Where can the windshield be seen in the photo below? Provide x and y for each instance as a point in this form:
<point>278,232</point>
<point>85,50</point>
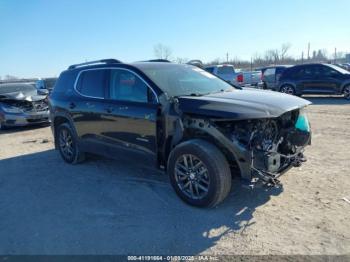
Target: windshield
<point>179,80</point>
<point>26,89</point>
<point>339,69</point>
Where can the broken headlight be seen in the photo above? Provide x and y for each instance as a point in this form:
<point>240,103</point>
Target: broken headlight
<point>11,109</point>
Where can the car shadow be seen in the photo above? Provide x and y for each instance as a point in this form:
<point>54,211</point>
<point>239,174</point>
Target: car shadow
<point>327,100</point>
<point>108,206</point>
<point>10,130</point>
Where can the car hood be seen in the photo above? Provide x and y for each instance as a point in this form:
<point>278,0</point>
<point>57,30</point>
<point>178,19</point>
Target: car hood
<point>247,103</point>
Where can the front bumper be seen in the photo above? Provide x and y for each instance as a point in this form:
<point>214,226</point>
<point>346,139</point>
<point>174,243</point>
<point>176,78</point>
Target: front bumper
<point>24,119</point>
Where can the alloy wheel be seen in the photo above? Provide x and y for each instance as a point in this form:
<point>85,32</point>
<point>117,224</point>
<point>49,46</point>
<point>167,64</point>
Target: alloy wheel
<point>66,143</point>
<point>192,176</point>
<point>288,90</point>
<point>347,92</point>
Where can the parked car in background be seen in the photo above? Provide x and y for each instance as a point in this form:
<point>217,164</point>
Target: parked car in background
<point>271,75</point>
<point>196,126</point>
<point>22,104</point>
<point>249,78</point>
<point>235,77</point>
<point>315,79</point>
<point>345,66</point>
<point>46,83</point>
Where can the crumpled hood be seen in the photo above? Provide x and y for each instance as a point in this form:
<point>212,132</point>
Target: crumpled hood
<point>20,96</point>
<point>247,103</point>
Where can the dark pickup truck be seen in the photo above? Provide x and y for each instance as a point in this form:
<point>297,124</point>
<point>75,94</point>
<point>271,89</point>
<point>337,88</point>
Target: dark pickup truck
<point>197,127</point>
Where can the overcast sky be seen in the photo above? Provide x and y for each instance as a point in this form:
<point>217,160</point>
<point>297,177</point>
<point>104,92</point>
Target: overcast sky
<point>40,38</point>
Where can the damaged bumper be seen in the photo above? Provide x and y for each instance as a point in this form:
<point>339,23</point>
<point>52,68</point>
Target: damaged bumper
<point>24,119</point>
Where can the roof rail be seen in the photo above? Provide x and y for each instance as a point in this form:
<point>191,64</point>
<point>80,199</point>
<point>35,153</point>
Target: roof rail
<point>102,61</point>
<point>158,60</point>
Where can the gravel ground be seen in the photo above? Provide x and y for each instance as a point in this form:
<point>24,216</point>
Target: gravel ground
<point>118,207</point>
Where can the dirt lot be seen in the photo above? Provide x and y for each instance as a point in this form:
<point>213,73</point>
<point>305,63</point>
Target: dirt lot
<point>118,207</point>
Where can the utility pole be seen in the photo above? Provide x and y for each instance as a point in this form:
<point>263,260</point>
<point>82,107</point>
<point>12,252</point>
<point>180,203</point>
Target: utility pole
<point>227,57</point>
<point>308,51</point>
<point>335,55</point>
<point>251,63</point>
<point>302,57</point>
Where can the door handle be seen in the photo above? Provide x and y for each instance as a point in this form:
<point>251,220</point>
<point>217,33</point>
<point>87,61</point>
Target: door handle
<point>72,105</point>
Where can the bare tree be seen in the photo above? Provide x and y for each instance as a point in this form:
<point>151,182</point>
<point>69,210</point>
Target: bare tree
<point>284,49</point>
<point>162,51</point>
<point>181,60</point>
<point>10,77</point>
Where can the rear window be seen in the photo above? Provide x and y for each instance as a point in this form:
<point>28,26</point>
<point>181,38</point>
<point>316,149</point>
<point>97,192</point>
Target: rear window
<point>269,72</point>
<point>92,82</point>
<point>225,70</point>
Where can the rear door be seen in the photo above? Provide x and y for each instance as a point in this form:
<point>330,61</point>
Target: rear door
<point>132,113</point>
<point>88,108</point>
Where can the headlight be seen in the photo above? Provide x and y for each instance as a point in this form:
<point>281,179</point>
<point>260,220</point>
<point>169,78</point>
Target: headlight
<point>11,109</point>
<point>302,121</point>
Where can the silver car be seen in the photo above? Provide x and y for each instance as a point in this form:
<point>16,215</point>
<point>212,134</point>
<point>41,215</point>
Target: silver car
<point>22,104</point>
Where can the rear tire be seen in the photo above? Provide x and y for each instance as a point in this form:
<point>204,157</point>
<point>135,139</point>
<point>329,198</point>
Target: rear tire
<point>346,92</point>
<point>68,146</point>
<point>204,178</point>
<point>288,89</point>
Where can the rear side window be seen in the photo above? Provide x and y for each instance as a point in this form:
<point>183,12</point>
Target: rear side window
<point>279,70</point>
<point>92,83</point>
<point>294,72</point>
<point>126,86</point>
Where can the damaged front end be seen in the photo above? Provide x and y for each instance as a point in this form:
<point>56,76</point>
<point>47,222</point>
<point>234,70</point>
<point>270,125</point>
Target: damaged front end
<point>270,146</point>
<point>23,112</point>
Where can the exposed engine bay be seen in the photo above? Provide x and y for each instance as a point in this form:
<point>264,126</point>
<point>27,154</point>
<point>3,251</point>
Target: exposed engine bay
<point>275,144</point>
<point>27,106</point>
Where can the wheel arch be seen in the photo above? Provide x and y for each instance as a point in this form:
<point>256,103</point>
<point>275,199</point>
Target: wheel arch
<point>59,119</point>
<point>199,131</point>
<point>287,84</point>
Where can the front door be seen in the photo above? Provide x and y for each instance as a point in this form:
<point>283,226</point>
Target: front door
<point>317,80</point>
<point>132,112</point>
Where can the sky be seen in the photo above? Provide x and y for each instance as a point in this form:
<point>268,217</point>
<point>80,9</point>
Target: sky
<point>40,38</point>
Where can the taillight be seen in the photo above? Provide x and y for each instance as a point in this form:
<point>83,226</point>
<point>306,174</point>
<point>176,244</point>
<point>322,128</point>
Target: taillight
<point>239,78</point>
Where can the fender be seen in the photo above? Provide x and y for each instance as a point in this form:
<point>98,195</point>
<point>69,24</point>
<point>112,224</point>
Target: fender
<point>68,118</point>
<point>241,155</point>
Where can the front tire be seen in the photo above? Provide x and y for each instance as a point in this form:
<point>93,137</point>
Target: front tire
<point>346,92</point>
<point>199,173</point>
<point>288,89</point>
<point>68,146</point>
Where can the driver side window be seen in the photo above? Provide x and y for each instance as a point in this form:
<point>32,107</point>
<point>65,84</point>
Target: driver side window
<point>126,86</point>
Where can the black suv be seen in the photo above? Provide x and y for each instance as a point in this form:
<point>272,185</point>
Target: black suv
<point>315,79</point>
<point>194,125</point>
